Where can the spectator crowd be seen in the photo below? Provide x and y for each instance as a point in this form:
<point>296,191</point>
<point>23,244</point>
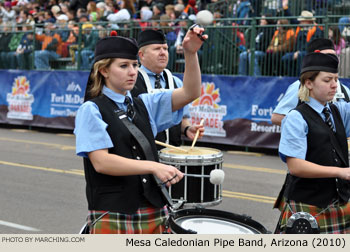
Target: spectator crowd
<point>69,29</point>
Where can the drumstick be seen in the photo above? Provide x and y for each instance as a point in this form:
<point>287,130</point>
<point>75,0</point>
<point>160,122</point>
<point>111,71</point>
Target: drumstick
<point>197,134</point>
<point>170,146</point>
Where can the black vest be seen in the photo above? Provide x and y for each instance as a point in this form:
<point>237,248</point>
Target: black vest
<point>122,193</point>
<point>324,148</point>
<point>175,131</point>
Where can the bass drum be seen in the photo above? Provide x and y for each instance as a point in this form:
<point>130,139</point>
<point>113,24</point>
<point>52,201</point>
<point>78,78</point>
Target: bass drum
<point>208,221</point>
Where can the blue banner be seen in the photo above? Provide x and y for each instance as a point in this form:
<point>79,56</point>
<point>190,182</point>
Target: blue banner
<point>236,109</point>
<point>41,98</point>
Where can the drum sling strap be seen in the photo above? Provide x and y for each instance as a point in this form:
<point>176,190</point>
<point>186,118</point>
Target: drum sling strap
<point>146,148</point>
<point>150,90</point>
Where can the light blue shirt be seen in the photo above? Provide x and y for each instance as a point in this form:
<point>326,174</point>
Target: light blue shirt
<point>290,98</point>
<point>294,131</point>
<point>177,80</point>
<point>91,131</point>
<point>152,78</point>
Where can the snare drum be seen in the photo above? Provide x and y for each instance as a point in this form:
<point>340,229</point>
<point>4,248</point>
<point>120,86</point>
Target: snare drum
<point>195,188</point>
<point>208,221</point>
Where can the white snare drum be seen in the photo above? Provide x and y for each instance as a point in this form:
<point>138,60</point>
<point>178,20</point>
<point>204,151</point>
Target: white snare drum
<point>195,188</point>
<point>207,221</point>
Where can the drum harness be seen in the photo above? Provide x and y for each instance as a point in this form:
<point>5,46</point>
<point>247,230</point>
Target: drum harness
<point>151,90</point>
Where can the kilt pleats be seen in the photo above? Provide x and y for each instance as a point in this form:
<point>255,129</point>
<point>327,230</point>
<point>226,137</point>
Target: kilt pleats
<point>146,220</point>
<point>335,219</point>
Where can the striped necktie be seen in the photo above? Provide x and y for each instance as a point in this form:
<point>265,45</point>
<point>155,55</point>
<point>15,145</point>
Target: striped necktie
<point>328,120</point>
<point>130,108</point>
<point>157,83</point>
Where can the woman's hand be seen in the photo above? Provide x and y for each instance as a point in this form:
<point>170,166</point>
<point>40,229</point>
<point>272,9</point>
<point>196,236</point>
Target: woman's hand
<point>169,175</point>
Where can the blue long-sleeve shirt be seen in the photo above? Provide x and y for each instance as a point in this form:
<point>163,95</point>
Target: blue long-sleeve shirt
<point>91,131</point>
<point>294,131</point>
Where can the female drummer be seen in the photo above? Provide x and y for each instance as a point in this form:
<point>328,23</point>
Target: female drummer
<point>314,146</point>
<point>122,194</point>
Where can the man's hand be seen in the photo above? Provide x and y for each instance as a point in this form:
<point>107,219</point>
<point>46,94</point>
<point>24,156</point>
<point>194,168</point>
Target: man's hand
<point>191,131</point>
<point>194,39</point>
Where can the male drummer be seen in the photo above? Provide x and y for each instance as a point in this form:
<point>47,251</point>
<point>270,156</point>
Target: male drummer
<point>154,77</point>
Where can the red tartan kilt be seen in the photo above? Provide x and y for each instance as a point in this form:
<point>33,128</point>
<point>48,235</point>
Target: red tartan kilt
<point>146,220</point>
<point>334,220</point>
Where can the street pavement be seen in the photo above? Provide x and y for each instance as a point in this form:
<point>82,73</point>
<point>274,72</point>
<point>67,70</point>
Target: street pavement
<point>43,187</point>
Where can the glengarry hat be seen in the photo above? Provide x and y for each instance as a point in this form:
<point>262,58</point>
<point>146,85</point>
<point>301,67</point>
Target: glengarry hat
<point>317,61</point>
<point>148,37</point>
<point>116,47</point>
<point>112,47</point>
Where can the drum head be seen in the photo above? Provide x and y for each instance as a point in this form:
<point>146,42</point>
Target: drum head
<point>210,225</point>
<point>205,221</point>
<point>196,156</point>
<point>196,151</point>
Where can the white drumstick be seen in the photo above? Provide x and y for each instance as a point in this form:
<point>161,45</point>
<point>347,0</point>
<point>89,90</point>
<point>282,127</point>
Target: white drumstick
<point>197,134</point>
<point>216,176</point>
<point>170,146</point>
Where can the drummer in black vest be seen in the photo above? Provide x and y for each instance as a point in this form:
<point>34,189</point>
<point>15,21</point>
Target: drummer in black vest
<point>290,98</point>
<point>314,146</point>
<point>120,169</point>
<point>154,77</point>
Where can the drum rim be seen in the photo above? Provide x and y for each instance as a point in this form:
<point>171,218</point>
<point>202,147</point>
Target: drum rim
<point>195,160</point>
<point>243,220</point>
<point>208,148</point>
<point>189,164</point>
<point>190,205</point>
<point>214,156</point>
